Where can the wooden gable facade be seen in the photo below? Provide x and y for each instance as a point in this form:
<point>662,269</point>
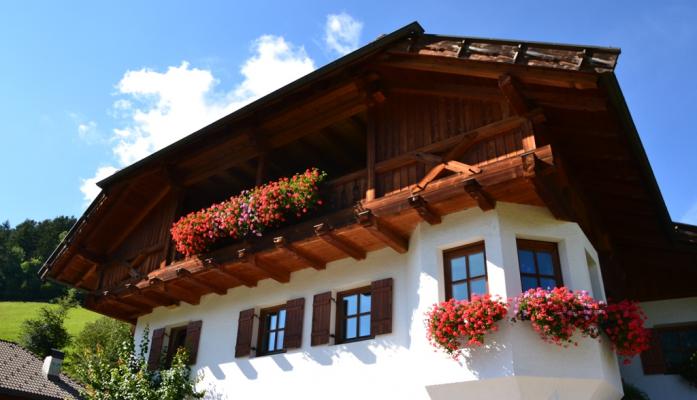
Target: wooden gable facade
<point>409,128</point>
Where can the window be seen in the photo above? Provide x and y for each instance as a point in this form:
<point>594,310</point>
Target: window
<point>539,264</point>
<point>465,272</point>
<point>677,344</point>
<point>272,330</point>
<point>353,315</point>
<point>177,339</point>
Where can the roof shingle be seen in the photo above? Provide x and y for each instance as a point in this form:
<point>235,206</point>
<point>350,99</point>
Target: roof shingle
<point>20,375</point>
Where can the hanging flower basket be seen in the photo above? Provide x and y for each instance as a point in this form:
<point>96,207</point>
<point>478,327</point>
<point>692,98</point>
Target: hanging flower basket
<point>250,213</point>
<point>557,314</point>
<point>455,324</point>
<point>623,323</point>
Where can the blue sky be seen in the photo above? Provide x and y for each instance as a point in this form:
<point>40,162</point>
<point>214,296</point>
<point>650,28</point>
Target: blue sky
<point>87,87</point>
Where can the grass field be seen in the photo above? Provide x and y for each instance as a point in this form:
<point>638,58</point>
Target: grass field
<point>13,313</point>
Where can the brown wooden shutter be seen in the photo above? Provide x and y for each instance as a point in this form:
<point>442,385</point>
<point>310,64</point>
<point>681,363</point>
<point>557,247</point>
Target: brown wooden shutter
<point>652,359</point>
<point>381,306</point>
<point>321,315</point>
<point>245,326</point>
<point>193,334</point>
<point>158,336</point>
<point>294,323</point>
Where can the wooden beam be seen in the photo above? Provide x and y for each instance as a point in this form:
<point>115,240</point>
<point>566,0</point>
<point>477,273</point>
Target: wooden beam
<point>474,189</point>
<point>425,211</point>
<point>252,260</point>
<point>137,219</point>
<point>493,129</point>
<point>86,277</point>
<point>90,256</point>
<point>133,294</point>
<point>324,232</point>
<point>217,268</point>
<point>491,70</point>
<point>370,156</point>
<point>174,292</point>
<point>511,91</point>
<point>128,309</point>
<point>542,175</point>
<point>454,166</point>
<point>199,282</point>
<point>143,254</point>
<point>132,301</point>
<point>295,252</point>
<point>383,231</point>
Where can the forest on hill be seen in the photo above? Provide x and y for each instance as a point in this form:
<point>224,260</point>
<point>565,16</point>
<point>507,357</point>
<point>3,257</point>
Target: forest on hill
<point>23,250</point>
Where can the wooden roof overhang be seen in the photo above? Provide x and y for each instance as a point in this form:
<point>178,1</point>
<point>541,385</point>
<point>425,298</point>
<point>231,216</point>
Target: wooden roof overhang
<point>585,163</point>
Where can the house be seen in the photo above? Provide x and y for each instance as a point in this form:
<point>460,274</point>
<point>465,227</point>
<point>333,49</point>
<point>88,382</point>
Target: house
<point>455,166</point>
<point>23,375</point>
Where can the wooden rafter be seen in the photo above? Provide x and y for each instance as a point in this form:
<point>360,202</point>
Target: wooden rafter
<point>425,211</point>
<point>200,283</point>
<point>172,291</point>
<point>143,307</point>
<point>454,166</point>
<point>244,256</point>
<point>383,231</point>
<point>293,251</point>
<point>509,87</point>
<point>87,276</point>
<point>483,199</point>
<point>234,276</point>
<point>542,175</point>
<point>133,294</point>
<point>324,232</point>
<point>126,308</point>
<point>137,219</point>
<point>447,65</point>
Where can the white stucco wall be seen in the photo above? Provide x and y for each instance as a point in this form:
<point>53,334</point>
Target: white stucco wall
<point>663,387</point>
<point>516,364</point>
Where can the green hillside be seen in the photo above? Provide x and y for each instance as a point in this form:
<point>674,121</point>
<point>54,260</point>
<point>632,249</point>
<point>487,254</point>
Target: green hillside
<point>13,313</point>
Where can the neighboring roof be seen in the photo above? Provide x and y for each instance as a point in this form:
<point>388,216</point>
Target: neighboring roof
<point>20,375</point>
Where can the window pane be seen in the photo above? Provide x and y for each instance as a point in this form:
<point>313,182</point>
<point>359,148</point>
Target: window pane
<point>365,303</point>
<point>350,304</point>
<point>364,326</point>
<point>476,264</point>
<point>527,261</point>
<point>548,283</point>
<point>279,340</point>
<point>272,341</point>
<point>544,263</point>
<point>689,340</point>
<point>281,319</point>
<point>460,291</point>
<point>272,321</point>
<point>458,268</point>
<point>478,286</point>
<point>351,328</point>
<point>529,282</point>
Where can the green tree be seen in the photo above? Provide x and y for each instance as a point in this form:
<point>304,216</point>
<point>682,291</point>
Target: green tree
<point>47,331</point>
<point>101,338</point>
<point>130,379</point>
<point>23,249</point>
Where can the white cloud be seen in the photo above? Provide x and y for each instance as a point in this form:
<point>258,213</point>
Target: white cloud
<point>690,216</point>
<point>89,187</point>
<point>87,130</point>
<point>342,33</point>
<point>159,108</point>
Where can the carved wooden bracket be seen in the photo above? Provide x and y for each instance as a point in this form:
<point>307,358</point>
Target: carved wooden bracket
<point>426,212</point>
<point>382,231</point>
<point>324,232</point>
